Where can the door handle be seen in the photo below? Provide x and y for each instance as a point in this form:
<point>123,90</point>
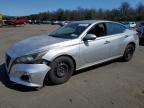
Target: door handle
<point>126,36</point>
<point>107,42</point>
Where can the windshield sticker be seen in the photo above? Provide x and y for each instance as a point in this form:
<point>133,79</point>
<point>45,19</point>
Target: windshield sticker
<point>85,25</point>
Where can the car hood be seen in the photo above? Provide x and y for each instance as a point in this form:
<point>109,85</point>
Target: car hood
<point>35,44</point>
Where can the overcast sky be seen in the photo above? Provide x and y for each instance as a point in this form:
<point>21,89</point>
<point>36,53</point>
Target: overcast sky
<point>27,7</point>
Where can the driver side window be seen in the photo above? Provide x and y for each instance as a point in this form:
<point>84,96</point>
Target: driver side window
<point>98,30</point>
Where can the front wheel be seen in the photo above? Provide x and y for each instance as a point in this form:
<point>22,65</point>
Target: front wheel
<point>128,54</point>
<point>62,69</point>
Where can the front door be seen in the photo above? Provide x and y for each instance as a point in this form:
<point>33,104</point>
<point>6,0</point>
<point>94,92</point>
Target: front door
<point>92,51</point>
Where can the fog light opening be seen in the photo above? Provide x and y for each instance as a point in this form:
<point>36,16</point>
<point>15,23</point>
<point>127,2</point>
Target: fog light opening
<point>25,78</point>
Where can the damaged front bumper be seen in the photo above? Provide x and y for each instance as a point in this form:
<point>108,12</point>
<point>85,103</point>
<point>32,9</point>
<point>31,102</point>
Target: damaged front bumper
<point>32,75</point>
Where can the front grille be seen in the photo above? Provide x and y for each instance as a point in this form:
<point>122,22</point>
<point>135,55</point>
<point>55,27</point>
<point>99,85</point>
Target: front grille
<point>8,59</point>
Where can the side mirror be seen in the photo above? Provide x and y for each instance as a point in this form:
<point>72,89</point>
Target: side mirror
<point>89,37</point>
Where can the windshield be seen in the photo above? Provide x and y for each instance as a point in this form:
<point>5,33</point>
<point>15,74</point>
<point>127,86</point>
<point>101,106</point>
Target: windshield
<point>70,31</point>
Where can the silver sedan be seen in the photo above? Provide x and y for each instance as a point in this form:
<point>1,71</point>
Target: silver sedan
<point>80,44</point>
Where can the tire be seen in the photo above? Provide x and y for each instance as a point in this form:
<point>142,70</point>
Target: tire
<point>128,54</point>
<point>61,71</point>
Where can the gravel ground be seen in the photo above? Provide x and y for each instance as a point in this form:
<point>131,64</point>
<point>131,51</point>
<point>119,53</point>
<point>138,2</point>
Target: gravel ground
<point>113,84</point>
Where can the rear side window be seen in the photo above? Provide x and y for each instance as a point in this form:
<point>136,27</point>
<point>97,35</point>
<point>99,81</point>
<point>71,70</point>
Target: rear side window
<point>114,28</point>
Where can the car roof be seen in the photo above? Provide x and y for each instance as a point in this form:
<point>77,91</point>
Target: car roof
<point>91,21</point>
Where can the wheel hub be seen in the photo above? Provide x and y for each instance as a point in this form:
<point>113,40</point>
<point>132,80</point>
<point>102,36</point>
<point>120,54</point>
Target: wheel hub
<point>62,69</point>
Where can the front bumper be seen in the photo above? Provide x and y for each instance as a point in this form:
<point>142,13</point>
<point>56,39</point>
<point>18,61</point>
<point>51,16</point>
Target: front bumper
<point>28,74</point>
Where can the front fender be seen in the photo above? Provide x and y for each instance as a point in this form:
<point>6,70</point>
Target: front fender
<point>72,51</point>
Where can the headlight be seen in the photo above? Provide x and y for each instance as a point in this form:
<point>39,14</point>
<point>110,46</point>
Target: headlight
<point>32,59</point>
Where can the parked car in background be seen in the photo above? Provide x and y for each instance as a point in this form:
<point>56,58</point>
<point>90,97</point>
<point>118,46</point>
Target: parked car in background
<point>129,25</point>
<point>35,22</point>
<point>140,30</point>
<point>55,22</point>
<point>80,44</point>
<point>132,24</point>
<point>46,22</point>
<point>17,21</point>
<point>31,22</point>
<point>63,23</point>
<point>38,21</point>
<point>140,24</point>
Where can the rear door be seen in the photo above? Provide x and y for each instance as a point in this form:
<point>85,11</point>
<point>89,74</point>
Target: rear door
<point>116,34</point>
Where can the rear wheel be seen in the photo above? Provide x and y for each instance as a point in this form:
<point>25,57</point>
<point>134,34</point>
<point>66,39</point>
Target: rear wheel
<point>128,54</point>
<point>62,69</point>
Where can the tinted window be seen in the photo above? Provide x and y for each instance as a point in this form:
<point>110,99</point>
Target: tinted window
<point>98,30</point>
<point>114,28</point>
